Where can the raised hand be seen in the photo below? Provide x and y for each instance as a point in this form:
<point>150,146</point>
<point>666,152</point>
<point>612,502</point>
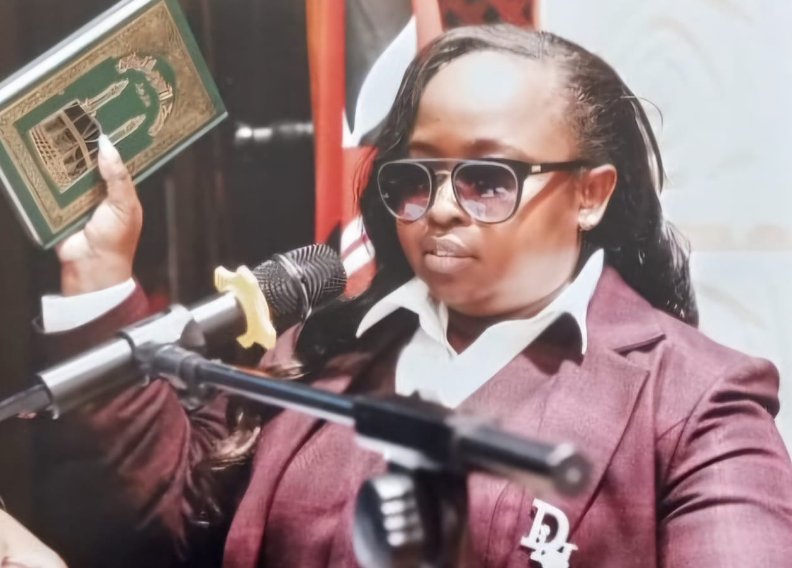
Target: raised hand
<point>101,254</point>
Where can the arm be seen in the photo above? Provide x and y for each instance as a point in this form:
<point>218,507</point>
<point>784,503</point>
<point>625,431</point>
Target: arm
<point>726,498</point>
<point>118,472</point>
<point>117,478</point>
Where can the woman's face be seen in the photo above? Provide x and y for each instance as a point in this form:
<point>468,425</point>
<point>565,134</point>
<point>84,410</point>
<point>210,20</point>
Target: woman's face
<point>492,105</point>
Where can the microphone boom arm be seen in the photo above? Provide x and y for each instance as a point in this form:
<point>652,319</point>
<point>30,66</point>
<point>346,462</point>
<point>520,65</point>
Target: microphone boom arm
<point>408,431</point>
<point>82,378</point>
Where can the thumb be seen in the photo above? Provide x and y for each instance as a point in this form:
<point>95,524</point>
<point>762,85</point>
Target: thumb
<point>121,193</point>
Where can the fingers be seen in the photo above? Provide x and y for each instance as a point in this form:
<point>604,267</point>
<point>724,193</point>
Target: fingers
<point>121,193</point>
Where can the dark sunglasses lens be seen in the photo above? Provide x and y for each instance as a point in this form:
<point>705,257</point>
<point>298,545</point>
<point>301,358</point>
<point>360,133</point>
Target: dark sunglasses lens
<point>488,192</point>
<point>405,189</point>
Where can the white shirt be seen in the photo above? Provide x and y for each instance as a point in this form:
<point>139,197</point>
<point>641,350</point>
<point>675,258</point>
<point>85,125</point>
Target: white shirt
<point>429,365</point>
<point>59,313</point>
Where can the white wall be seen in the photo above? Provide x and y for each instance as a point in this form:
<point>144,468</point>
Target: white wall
<point>721,73</point>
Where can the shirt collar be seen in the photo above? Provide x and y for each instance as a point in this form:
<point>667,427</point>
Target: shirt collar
<point>433,316</point>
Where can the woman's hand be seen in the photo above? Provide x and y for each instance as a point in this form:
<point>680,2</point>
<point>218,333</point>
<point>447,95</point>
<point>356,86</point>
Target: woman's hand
<point>20,549</point>
<point>101,254</point>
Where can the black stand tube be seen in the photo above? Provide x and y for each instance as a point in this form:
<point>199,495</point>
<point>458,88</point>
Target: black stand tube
<point>410,431</point>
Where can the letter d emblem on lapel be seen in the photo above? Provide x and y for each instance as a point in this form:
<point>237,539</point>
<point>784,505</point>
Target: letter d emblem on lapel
<point>555,552</point>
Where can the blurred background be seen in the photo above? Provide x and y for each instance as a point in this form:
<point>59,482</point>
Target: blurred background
<point>715,76</point>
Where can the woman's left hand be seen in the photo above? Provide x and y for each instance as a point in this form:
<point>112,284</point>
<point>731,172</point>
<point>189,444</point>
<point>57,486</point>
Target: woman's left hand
<point>20,549</point>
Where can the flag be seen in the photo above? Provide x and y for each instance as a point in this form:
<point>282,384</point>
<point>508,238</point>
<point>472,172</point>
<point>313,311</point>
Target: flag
<point>455,13</point>
<point>358,52</point>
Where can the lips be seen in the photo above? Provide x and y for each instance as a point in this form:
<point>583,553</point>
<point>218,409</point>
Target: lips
<point>446,255</point>
<point>446,246</point>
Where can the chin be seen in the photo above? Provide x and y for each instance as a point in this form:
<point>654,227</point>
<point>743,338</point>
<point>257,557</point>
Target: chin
<point>450,290</point>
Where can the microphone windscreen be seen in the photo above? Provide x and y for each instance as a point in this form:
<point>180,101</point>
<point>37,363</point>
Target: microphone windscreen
<point>299,282</point>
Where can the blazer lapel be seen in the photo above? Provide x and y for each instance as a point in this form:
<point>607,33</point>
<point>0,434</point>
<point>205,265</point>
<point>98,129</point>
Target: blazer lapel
<point>587,403</point>
<point>585,400</point>
<point>592,405</point>
<point>591,409</point>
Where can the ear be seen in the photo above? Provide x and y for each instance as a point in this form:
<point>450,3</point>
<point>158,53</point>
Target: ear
<point>596,187</point>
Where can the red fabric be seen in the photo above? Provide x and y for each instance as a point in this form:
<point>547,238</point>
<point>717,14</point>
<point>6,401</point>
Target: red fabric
<point>326,24</point>
<point>339,169</point>
<point>457,13</point>
<point>357,167</point>
<point>688,468</point>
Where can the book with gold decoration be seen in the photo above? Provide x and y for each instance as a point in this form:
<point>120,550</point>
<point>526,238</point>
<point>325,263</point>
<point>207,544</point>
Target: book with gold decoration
<point>135,74</point>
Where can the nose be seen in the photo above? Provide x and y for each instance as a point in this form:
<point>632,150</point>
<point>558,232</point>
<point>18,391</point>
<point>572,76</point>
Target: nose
<point>446,210</point>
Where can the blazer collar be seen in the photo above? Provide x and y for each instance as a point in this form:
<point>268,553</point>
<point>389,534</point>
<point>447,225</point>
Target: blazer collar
<point>619,318</point>
<point>414,296</point>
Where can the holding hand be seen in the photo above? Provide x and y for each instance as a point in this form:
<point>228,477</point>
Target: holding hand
<point>20,549</point>
<point>101,254</point>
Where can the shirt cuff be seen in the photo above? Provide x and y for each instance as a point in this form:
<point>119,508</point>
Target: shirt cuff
<point>59,313</point>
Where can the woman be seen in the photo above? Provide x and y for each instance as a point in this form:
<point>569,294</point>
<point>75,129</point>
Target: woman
<point>513,205</point>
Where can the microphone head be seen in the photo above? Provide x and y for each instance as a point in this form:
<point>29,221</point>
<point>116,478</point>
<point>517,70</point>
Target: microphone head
<point>300,281</point>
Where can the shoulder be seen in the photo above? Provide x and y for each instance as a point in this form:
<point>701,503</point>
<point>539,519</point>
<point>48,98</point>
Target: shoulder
<point>691,371</point>
<point>686,368</point>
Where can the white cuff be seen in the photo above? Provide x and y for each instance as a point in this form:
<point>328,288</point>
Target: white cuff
<point>59,313</point>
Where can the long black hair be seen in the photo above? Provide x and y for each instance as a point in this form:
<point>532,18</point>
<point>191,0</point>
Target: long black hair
<point>610,127</point>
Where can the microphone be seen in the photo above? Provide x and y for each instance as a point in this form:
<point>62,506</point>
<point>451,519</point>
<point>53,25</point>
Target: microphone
<point>253,306</point>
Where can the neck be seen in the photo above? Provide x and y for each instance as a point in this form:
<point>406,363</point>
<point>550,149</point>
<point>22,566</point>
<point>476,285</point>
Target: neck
<point>464,329</point>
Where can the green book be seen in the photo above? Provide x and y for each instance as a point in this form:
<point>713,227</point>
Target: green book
<point>135,74</point>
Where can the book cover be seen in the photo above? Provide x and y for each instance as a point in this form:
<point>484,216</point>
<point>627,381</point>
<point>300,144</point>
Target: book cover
<point>135,74</point>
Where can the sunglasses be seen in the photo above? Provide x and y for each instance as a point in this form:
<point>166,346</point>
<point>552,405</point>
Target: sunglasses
<point>489,189</point>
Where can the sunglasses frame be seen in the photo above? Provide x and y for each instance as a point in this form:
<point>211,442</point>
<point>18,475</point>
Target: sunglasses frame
<point>519,169</point>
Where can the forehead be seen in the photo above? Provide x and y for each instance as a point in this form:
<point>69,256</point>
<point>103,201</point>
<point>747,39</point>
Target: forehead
<point>496,97</point>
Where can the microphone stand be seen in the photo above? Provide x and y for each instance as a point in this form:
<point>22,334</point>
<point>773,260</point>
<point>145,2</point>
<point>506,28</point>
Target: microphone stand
<point>415,514</point>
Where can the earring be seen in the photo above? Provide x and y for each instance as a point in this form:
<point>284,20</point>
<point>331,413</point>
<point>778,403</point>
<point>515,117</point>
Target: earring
<point>587,224</point>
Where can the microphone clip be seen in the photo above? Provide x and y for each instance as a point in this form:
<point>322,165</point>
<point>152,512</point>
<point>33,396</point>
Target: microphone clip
<point>79,380</point>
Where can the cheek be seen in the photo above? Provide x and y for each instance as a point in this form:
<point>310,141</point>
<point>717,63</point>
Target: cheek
<point>549,219</point>
<point>541,239</point>
<point>410,235</point>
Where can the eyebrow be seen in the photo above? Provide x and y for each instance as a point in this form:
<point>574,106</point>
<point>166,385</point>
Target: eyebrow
<point>481,147</point>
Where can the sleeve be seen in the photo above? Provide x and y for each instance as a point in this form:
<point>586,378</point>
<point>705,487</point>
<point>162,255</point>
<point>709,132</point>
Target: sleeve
<point>116,478</point>
<point>60,313</point>
<point>726,497</point>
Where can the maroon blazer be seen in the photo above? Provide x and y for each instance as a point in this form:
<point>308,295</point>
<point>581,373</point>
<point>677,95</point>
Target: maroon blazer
<point>688,468</point>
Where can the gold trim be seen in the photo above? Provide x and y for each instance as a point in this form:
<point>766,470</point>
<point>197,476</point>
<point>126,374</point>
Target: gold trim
<point>155,31</point>
<point>164,90</point>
